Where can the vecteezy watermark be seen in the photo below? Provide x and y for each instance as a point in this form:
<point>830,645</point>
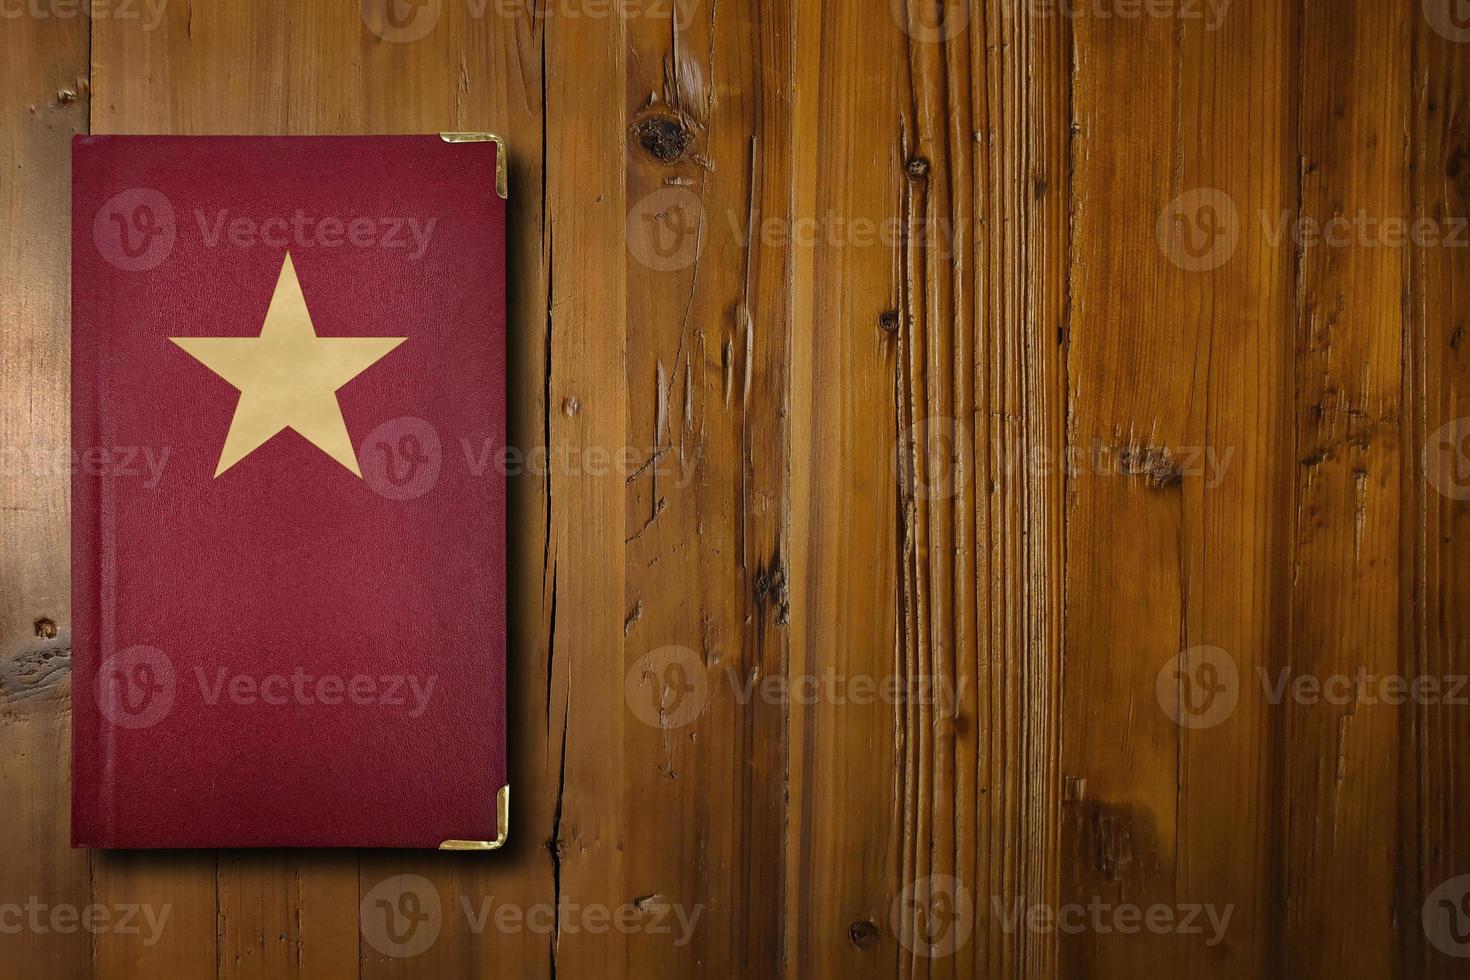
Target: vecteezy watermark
<point>665,229</point>
<point>401,21</point>
<point>1363,686</point>
<point>835,230</point>
<point>931,21</point>
<point>651,916</point>
<point>1200,230</point>
<point>680,13</point>
<point>1450,19</point>
<point>122,919</point>
<point>669,688</point>
<point>135,687</point>
<point>1363,230</point>
<point>934,916</point>
<point>142,463</point>
<point>1446,917</point>
<point>935,459</point>
<point>1209,13</point>
<point>1104,918</point>
<point>937,21</point>
<point>411,692</point>
<point>404,21</point>
<point>138,687</point>
<point>300,230</point>
<point>403,916</point>
<point>148,12</point>
<point>401,458</point>
<point>405,458</point>
<point>1447,459</point>
<point>135,229</point>
<point>1201,687</point>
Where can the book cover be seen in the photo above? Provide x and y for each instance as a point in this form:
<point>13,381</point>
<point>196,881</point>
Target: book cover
<point>288,508</point>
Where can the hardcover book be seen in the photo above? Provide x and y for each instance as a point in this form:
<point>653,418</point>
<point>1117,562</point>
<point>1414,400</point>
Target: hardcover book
<point>288,521</point>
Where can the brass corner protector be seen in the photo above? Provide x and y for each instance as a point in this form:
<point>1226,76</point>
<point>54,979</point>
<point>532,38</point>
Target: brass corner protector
<point>502,828</point>
<point>502,175</point>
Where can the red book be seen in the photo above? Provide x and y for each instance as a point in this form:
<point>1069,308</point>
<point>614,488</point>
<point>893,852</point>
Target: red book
<point>288,507</point>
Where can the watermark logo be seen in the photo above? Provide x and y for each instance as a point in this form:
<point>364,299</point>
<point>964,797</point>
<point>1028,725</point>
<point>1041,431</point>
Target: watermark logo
<point>401,458</point>
<point>1364,687</point>
<point>934,916</point>
<point>409,692</point>
<point>1199,230</point>
<point>1446,917</point>
<point>1199,687</point>
<point>931,21</point>
<point>144,464</point>
<point>665,229</point>
<point>1447,459</point>
<point>135,230</point>
<point>1104,918</point>
<point>401,916</point>
<point>934,460</point>
<point>135,688</point>
<point>651,915</point>
<point>404,458</point>
<point>126,919</point>
<point>931,458</point>
<point>1450,19</point>
<point>401,21</point>
<point>150,12</point>
<point>1209,12</point>
<point>301,230</point>
<point>679,12</point>
<point>667,688</point>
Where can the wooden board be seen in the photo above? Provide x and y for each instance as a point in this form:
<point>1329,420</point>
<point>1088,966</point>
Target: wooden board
<point>986,437</point>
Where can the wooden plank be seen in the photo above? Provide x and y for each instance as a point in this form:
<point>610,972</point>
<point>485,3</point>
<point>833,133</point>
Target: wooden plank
<point>1436,538</point>
<point>1179,380</point>
<point>708,272</point>
<point>586,547</point>
<point>1340,819</point>
<point>273,914</point>
<point>174,890</point>
<point>846,760</point>
<point>961,320</point>
<point>1015,407</point>
<point>43,68</point>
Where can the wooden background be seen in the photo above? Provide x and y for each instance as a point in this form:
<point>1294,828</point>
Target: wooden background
<point>1027,304</point>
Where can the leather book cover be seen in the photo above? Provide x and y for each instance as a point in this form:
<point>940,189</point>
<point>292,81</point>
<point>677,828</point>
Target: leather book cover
<point>288,497</point>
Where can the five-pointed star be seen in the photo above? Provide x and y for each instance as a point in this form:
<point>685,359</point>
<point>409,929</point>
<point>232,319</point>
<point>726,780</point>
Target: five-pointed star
<point>288,376</point>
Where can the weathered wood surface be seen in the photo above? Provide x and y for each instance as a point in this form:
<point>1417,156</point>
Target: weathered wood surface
<point>1007,417</point>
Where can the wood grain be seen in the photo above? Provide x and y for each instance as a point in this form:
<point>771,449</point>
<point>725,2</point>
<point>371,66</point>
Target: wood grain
<point>1434,585</point>
<point>708,125</point>
<point>846,783</point>
<point>1179,355</point>
<point>43,80</point>
<point>962,352</point>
